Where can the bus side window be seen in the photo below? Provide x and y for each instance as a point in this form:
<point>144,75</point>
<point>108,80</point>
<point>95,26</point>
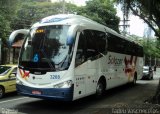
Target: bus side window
<point>96,44</point>
<point>91,51</point>
<point>102,42</point>
<point>111,43</point>
<point>81,49</point>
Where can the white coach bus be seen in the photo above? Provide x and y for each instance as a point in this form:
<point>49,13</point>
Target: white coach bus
<point>67,57</point>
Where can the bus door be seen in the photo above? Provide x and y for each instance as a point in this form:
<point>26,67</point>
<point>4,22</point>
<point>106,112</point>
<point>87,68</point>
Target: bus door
<point>96,49</point>
<point>85,67</point>
<point>80,68</point>
<point>91,76</point>
<point>85,78</point>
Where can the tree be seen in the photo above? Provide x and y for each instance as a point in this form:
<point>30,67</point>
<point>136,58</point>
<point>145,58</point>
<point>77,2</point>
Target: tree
<point>150,48</point>
<point>7,11</point>
<point>32,11</point>
<point>148,10</point>
<point>102,11</point>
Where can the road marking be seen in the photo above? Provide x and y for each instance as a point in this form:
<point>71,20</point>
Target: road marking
<point>13,100</point>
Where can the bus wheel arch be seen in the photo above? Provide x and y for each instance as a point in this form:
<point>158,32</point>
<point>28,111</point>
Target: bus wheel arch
<point>101,86</point>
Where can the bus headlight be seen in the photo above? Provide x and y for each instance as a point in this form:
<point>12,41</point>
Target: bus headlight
<point>66,84</point>
<point>19,82</point>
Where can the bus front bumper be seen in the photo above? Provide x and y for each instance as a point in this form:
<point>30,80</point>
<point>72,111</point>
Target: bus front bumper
<point>61,94</point>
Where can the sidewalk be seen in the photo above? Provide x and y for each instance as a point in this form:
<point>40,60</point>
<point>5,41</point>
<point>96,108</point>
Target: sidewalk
<point>156,75</point>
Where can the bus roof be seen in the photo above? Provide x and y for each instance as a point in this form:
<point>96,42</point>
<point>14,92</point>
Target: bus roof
<point>71,19</point>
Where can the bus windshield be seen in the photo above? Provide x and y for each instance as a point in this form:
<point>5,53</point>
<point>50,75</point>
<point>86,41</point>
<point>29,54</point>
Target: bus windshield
<point>46,48</point>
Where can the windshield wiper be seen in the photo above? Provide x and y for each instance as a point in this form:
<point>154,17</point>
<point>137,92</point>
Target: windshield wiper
<point>48,61</point>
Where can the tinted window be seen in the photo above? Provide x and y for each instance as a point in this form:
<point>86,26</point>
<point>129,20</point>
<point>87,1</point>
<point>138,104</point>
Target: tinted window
<point>119,45</point>
<point>4,70</point>
<point>81,50</point>
<point>92,44</point>
<point>96,43</point>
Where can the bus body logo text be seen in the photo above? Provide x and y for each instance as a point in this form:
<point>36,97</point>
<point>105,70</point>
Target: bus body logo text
<point>114,60</point>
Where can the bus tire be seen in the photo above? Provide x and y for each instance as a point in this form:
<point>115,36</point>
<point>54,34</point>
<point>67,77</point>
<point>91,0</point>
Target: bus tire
<point>100,89</point>
<point>134,80</point>
<point>1,91</point>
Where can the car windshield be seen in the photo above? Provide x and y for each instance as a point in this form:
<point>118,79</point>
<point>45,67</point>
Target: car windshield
<point>4,70</point>
<point>46,48</point>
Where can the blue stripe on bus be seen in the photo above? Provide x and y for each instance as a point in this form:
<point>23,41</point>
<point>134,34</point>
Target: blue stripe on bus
<point>61,94</point>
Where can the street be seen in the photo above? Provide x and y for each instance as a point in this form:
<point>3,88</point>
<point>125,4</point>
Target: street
<point>124,95</point>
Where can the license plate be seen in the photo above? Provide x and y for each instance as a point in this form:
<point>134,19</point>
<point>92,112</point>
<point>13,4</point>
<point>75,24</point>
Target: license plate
<point>36,92</point>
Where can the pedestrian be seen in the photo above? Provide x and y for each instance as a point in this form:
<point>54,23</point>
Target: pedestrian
<point>155,69</point>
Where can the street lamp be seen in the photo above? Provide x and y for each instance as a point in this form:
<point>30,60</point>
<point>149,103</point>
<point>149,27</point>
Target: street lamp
<point>0,51</point>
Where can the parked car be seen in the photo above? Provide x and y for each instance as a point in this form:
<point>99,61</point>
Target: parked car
<point>147,72</point>
<point>7,79</point>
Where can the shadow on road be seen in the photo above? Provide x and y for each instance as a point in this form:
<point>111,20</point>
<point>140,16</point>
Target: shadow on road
<point>10,95</point>
<point>49,106</point>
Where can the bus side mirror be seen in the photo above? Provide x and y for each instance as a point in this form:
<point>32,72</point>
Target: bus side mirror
<point>15,33</point>
<point>69,40</point>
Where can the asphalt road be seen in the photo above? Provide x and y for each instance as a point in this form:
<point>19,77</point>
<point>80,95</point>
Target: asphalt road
<point>124,95</point>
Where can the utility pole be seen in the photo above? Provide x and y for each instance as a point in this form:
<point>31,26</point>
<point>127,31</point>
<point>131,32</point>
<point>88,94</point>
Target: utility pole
<point>148,34</point>
<point>125,20</point>
<point>0,51</point>
<point>64,7</point>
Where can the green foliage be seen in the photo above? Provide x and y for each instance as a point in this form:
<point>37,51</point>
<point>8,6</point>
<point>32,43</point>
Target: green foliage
<point>148,10</point>
<point>150,45</point>
<point>150,48</point>
<point>31,12</point>
<point>7,11</point>
<point>102,11</point>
